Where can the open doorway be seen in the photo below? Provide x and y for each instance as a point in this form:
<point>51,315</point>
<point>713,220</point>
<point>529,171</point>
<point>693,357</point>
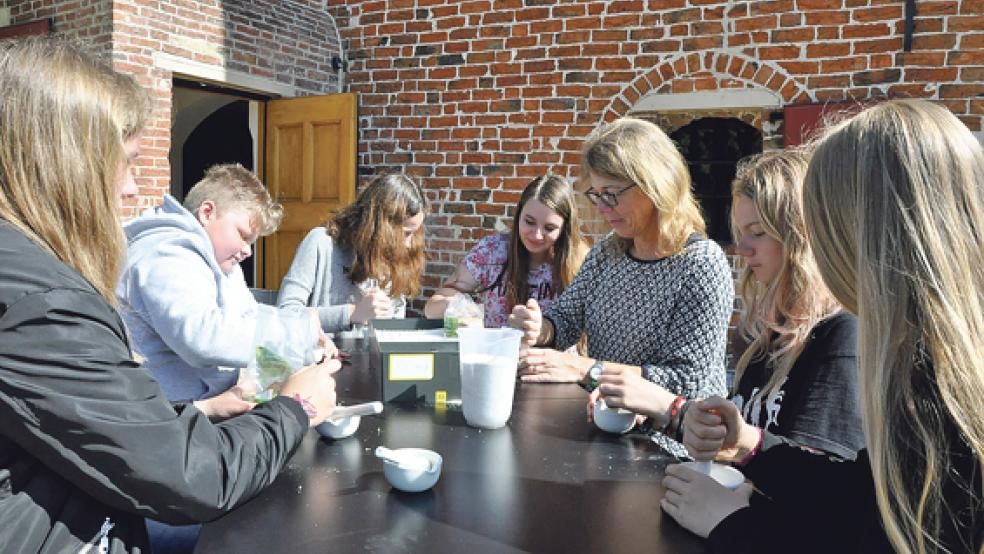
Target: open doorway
<point>212,125</point>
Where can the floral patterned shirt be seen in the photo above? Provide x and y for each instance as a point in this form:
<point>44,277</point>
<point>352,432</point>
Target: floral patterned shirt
<point>486,262</point>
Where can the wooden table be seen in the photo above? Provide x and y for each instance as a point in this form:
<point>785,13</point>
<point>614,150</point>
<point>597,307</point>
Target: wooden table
<point>547,482</point>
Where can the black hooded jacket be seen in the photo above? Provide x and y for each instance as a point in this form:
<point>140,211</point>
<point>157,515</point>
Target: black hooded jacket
<point>89,445</point>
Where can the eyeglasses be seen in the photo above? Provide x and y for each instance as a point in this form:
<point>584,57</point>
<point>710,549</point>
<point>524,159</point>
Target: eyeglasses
<point>609,199</point>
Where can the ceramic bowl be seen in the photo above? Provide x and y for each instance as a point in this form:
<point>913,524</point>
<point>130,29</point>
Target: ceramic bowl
<point>613,420</point>
<point>413,480</point>
<point>727,476</point>
<point>338,428</point>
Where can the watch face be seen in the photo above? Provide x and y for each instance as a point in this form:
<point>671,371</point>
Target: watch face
<point>595,371</point>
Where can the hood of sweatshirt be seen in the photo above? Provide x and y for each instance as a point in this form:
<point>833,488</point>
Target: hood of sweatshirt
<point>168,223</point>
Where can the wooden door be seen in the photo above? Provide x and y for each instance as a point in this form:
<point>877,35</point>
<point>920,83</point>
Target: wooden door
<point>309,165</point>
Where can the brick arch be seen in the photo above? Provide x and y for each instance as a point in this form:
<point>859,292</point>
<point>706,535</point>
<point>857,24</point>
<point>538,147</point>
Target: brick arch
<point>707,71</point>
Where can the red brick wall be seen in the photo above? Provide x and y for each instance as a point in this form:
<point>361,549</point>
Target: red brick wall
<point>478,96</point>
<point>87,20</point>
<point>287,41</point>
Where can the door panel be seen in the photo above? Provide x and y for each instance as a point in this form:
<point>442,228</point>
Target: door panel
<point>310,167</point>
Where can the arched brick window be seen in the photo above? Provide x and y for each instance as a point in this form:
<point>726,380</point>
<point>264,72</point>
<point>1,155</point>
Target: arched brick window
<point>712,147</point>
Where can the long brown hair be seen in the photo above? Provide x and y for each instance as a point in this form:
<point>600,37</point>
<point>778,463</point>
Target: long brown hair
<point>64,116</point>
<point>894,204</point>
<point>557,195</point>
<point>778,316</point>
<point>639,152</point>
<point>372,229</point>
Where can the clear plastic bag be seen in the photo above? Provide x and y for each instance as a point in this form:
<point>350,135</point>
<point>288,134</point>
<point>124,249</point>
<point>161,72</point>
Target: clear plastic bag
<point>286,340</point>
<point>462,311</point>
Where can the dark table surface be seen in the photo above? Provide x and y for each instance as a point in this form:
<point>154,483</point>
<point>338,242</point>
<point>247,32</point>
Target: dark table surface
<point>547,482</point>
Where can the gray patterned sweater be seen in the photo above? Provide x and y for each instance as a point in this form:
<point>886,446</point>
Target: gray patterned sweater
<point>669,316</point>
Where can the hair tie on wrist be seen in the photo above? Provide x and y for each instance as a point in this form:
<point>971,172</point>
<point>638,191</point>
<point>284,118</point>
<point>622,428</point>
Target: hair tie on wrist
<point>751,454</point>
<point>308,407</point>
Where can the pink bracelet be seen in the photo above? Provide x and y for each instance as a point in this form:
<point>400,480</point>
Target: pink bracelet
<point>308,407</point>
<point>751,454</point>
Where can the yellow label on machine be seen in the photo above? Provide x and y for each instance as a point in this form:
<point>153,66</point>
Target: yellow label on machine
<point>411,367</point>
<point>441,397</point>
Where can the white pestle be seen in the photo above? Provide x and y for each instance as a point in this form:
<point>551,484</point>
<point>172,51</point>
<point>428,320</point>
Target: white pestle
<point>405,460</point>
<point>369,408</point>
<point>703,467</point>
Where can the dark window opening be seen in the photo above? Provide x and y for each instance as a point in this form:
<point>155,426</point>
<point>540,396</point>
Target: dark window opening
<point>712,147</point>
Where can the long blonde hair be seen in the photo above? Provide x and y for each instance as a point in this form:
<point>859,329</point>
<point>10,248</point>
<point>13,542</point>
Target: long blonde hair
<point>372,229</point>
<point>778,316</point>
<point>637,151</point>
<point>894,203</point>
<point>64,116</point>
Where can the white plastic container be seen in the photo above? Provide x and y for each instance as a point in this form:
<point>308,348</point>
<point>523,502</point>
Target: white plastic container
<point>488,361</point>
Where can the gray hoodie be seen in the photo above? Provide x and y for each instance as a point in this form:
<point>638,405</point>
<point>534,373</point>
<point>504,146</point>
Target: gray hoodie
<point>192,324</point>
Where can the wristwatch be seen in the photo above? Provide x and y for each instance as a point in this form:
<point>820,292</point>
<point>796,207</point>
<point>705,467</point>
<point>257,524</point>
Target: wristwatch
<point>590,380</point>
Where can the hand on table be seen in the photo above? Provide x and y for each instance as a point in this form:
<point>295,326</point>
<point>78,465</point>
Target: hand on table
<point>375,304</point>
<point>713,429</point>
<point>527,318</point>
<point>223,406</point>
<point>546,365</point>
<point>698,502</point>
<point>315,386</point>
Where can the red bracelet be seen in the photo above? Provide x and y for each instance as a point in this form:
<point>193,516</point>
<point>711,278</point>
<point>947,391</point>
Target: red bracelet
<point>308,407</point>
<point>758,445</point>
<point>674,411</point>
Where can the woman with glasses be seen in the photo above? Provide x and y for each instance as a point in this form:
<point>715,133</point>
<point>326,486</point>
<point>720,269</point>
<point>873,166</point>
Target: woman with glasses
<point>537,259</point>
<point>654,296</point>
<point>372,250</point>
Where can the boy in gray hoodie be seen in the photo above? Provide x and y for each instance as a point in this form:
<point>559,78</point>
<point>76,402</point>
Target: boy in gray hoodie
<point>182,294</point>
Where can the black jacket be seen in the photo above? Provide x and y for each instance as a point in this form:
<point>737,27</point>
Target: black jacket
<point>87,439</point>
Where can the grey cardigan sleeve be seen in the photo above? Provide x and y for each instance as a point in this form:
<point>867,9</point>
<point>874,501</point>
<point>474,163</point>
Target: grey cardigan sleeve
<point>317,269</point>
<point>568,311</point>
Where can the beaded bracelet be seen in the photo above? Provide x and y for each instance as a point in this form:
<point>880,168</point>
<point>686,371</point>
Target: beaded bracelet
<point>674,411</point>
<point>308,407</point>
<point>751,454</point>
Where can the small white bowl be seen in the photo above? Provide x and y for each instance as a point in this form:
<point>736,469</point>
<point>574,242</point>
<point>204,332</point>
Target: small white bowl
<point>338,428</point>
<point>726,475</point>
<point>613,420</point>
<point>413,480</point>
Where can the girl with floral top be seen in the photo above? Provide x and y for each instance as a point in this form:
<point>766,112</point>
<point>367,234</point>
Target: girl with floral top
<point>537,259</point>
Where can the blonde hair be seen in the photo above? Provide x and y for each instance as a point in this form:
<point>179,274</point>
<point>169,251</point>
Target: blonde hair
<point>233,187</point>
<point>64,116</point>
<point>372,230</point>
<point>639,152</point>
<point>895,207</point>
<point>778,316</point>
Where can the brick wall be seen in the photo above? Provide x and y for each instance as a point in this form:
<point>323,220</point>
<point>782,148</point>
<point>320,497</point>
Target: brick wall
<point>88,20</point>
<point>478,96</point>
<point>290,42</point>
